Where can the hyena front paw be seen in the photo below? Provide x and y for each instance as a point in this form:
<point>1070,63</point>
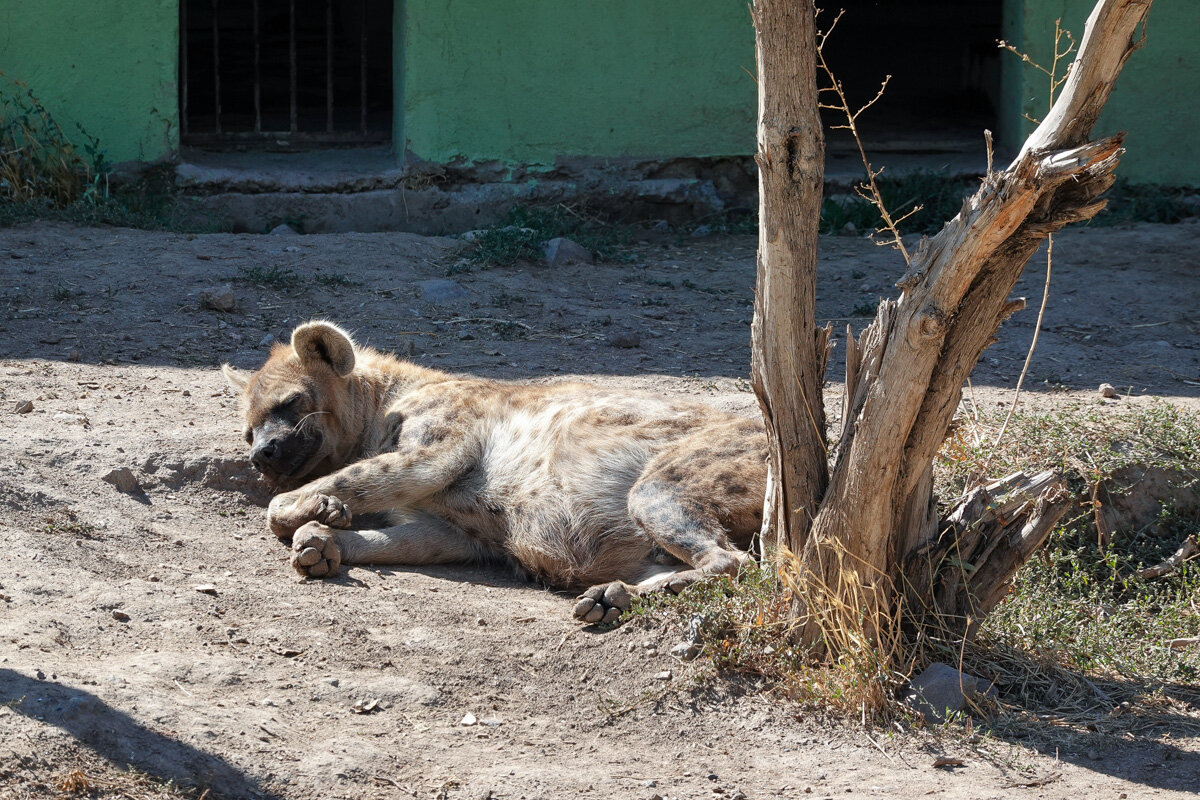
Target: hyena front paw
<point>315,551</point>
<point>603,603</point>
<point>287,513</point>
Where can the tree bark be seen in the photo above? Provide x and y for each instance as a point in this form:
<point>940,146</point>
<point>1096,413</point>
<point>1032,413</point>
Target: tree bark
<point>857,532</point>
<point>789,351</point>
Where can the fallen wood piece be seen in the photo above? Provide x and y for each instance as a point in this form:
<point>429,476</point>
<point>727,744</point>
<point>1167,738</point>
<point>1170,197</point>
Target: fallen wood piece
<point>1181,644</point>
<point>1189,548</point>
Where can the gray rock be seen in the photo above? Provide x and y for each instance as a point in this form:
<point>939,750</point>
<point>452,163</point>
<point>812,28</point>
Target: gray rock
<point>219,298</point>
<point>266,341</point>
<point>441,291</point>
<point>23,406</point>
<point>124,479</point>
<point>941,690</point>
<point>562,251</point>
<point>1108,390</point>
<point>701,231</point>
<point>283,230</point>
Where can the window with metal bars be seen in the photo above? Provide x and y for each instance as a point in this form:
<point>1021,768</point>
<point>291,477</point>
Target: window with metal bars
<point>285,73</point>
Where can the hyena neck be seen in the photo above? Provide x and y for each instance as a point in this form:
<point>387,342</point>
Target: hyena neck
<point>377,382</point>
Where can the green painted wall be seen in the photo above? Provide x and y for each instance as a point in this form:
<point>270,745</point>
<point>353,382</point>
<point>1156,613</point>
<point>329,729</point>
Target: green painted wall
<point>109,66</point>
<point>529,80</point>
<point>1156,97</point>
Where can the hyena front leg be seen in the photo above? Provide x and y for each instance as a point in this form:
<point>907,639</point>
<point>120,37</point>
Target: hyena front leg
<point>390,481</point>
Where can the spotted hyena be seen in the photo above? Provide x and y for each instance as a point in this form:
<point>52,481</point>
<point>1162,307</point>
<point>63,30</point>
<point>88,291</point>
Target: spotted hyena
<point>385,462</point>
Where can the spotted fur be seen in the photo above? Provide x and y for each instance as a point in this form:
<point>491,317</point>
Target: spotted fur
<point>578,486</point>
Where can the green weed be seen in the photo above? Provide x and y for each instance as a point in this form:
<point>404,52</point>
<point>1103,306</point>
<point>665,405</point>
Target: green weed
<point>272,277</point>
<point>524,231</point>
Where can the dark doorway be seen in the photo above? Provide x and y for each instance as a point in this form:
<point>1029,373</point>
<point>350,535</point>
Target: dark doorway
<point>285,73</point>
<point>945,68</point>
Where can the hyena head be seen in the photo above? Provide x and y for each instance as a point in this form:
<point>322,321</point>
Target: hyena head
<point>292,405</point>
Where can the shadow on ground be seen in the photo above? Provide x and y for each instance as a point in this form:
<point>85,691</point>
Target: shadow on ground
<point>121,739</point>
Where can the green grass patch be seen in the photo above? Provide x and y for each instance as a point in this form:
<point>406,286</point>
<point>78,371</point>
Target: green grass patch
<point>522,233</point>
<point>1081,630</point>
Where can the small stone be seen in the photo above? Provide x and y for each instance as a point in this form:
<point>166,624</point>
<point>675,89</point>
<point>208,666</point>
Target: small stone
<point>480,621</point>
<point>206,588</point>
<point>283,230</point>
<point>941,690</point>
<point>468,720</point>
<point>685,651</point>
<point>849,229</point>
<point>119,615</point>
<point>665,675</point>
<point>218,298</point>
<point>331,681</point>
<point>661,225</point>
<point>24,406</point>
<point>624,341</point>
<point>1108,390</point>
<point>701,231</point>
<point>441,291</point>
<point>74,356</point>
<point>124,479</point>
<point>561,251</point>
<point>266,341</point>
<point>366,706</point>
<point>650,784</point>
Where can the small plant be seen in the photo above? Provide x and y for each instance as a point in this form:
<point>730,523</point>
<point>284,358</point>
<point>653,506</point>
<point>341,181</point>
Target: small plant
<point>271,277</point>
<point>61,293</point>
<point>334,280</point>
<point>38,162</point>
<point>524,231</point>
<point>67,521</point>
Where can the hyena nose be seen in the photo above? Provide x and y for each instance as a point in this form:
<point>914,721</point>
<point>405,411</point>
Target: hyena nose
<point>263,454</point>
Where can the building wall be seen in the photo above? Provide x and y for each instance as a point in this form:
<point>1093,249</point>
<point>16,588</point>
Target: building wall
<point>530,80</point>
<point>110,67</point>
<point>1156,99</point>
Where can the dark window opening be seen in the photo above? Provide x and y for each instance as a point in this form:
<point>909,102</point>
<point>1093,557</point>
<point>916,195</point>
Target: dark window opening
<point>285,72</point>
<point>945,68</point>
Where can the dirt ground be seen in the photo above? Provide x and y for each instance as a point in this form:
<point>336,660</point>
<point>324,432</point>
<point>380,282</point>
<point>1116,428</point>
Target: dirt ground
<point>110,654</point>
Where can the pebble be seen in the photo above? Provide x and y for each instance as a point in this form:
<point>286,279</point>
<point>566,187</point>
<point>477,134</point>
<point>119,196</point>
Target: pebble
<point>468,720</point>
<point>122,478</point>
<point>561,251</point>
<point>441,291</point>
<point>206,588</point>
<point>266,341</point>
<point>24,406</point>
<point>1108,390</point>
<point>283,230</point>
<point>218,298</point>
<point>665,675</point>
<point>119,615</point>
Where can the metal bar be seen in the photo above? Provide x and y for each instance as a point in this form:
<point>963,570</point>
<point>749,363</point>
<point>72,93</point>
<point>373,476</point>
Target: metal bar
<point>329,66</point>
<point>362,64</point>
<point>257,75</point>
<point>216,67</point>
<point>292,55</point>
<point>183,68</point>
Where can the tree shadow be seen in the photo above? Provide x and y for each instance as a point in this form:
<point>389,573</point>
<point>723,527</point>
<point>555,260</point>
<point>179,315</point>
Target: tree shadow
<point>1120,727</point>
<point>122,740</point>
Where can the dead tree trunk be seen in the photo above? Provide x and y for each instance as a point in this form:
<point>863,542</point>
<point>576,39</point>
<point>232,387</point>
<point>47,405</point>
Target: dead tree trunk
<point>875,539</point>
<point>789,351</point>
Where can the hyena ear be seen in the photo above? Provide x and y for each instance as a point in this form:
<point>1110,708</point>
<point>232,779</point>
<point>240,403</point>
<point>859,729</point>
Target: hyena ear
<point>324,343</point>
<point>236,379</point>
